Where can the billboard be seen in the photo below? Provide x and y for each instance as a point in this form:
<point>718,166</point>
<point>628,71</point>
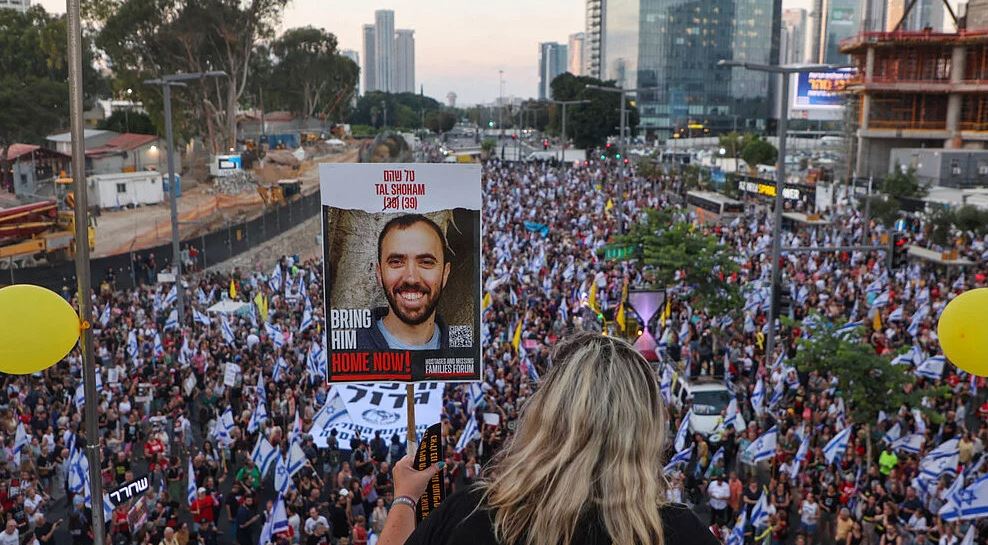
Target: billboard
<point>401,248</point>
<point>819,95</point>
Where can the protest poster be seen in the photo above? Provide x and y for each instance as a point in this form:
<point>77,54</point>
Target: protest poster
<point>430,453</point>
<point>401,246</point>
<point>370,408</point>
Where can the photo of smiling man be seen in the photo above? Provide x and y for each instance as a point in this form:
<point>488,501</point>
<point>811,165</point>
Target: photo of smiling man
<point>401,248</point>
<point>413,268</point>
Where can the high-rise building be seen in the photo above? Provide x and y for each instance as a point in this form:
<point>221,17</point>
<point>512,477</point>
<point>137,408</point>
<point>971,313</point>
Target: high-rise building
<point>836,20</point>
<point>552,62</point>
<point>404,61</point>
<point>924,14</point>
<point>593,39</point>
<point>576,49</point>
<point>793,38</point>
<point>977,15</point>
<point>873,14</point>
<point>368,72</point>
<point>384,49</point>
<point>19,5</point>
<point>674,46</point>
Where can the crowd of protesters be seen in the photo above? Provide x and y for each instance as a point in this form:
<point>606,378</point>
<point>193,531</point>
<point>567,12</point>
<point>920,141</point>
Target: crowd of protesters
<point>162,386</point>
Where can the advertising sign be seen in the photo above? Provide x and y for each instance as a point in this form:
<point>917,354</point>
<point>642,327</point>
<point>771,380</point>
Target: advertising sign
<point>819,95</point>
<point>401,248</point>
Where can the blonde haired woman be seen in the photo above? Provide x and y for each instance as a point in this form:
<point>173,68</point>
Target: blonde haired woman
<point>585,466</point>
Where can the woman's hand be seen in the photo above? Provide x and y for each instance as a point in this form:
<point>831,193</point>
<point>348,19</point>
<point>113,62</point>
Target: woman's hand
<point>408,481</point>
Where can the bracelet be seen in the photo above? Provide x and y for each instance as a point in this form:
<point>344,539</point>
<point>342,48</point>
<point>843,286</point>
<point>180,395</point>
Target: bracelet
<point>404,500</point>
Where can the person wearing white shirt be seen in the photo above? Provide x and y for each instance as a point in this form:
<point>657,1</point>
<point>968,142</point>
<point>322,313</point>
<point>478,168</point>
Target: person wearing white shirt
<point>314,519</point>
<point>719,492</point>
<point>10,535</point>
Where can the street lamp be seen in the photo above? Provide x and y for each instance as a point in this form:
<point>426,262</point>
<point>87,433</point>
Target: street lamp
<point>785,70</point>
<point>562,143</point>
<point>621,142</point>
<point>166,83</point>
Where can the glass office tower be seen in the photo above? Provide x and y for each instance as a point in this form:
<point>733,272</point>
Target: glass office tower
<point>674,46</point>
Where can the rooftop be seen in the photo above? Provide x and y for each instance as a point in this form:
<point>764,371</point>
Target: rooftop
<point>123,142</point>
<point>67,136</point>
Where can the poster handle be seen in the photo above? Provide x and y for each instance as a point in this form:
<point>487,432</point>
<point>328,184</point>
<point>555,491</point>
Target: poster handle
<point>412,437</point>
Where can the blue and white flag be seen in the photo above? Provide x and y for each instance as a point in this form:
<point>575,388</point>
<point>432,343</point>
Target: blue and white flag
<point>223,428</point>
<point>681,458</point>
<point>759,513</point>
<point>804,447</point>
<point>918,318</point>
<point>276,334</point>
<point>264,455</point>
<point>313,362</point>
<point>469,432</point>
<point>881,301</point>
<point>848,328</point>
<point>893,434</point>
<point>736,537</point>
<point>280,366</point>
<point>275,282</point>
<point>718,456</point>
<point>683,432</point>
<point>896,315</point>
<point>763,448</point>
<point>257,417</point>
<point>159,348</point>
<point>227,331</point>
<point>201,318</point>
<point>969,503</point>
<point>912,443</point>
<point>837,446</point>
<point>201,297</point>
<point>287,466</point>
<point>475,396</point>
<point>946,449</point>
<point>959,283</point>
<point>277,524</point>
<point>190,488</point>
<point>932,368</point>
<point>104,317</point>
<point>932,468</point>
<point>665,384</point>
<point>172,321</point>
<point>132,344</point>
<point>758,397</point>
<point>306,320</point>
<point>171,297</point>
<point>21,439</point>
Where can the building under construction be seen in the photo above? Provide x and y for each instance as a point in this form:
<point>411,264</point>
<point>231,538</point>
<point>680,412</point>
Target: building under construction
<point>918,90</point>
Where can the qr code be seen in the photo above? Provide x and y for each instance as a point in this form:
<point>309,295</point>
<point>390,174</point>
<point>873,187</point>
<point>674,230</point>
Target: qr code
<point>461,336</point>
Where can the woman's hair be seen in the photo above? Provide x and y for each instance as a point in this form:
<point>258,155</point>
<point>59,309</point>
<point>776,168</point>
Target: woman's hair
<point>588,447</point>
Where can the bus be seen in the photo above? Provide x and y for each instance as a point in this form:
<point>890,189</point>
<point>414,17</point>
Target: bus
<point>710,206</point>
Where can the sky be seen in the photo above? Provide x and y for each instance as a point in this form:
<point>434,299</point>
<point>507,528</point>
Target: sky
<point>460,45</point>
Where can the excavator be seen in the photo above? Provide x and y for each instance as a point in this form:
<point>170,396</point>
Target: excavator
<point>40,231</point>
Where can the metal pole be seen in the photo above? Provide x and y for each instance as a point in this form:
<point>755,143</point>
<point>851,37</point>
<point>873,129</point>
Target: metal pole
<point>82,267</point>
<point>562,143</point>
<point>173,186</point>
<point>867,214</point>
<point>780,184</point>
<point>500,109</point>
<point>620,195</point>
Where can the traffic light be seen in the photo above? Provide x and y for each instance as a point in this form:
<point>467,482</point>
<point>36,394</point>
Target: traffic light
<point>900,250</point>
<point>782,302</point>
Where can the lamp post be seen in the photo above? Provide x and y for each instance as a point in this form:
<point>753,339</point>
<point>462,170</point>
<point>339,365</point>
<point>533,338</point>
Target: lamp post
<point>82,273</point>
<point>784,70</point>
<point>621,141</point>
<point>166,83</point>
<point>562,143</point>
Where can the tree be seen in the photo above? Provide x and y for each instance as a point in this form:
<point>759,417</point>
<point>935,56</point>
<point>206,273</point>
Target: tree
<point>869,383</point>
<point>308,75</point>
<point>33,78</point>
<point>403,110</point>
<point>665,247</point>
<point>759,152</point>
<point>589,124</point>
<point>894,187</point>
<point>143,39</point>
<point>440,122</point>
<point>135,122</point>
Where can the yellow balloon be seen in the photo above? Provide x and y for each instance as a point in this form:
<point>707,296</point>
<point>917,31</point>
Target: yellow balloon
<point>963,331</point>
<point>37,329</point>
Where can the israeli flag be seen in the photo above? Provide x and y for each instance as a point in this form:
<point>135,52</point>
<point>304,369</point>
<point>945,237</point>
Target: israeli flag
<point>917,319</point>
<point>306,320</point>
<point>275,282</point>
<point>312,362</point>
<point>475,396</point>
<point>848,329</point>
<point>681,458</point>
<point>201,297</point>
<point>759,513</point>
<point>223,427</point>
<point>959,283</point>
<point>758,397</point>
<point>946,450</point>
<point>969,503</point>
<point>736,537</point>
<point>276,335</point>
<point>881,301</point>
<point>469,432</point>
<point>159,349</point>
<point>172,296</point>
<point>21,439</point>
<point>172,321</point>
<point>665,384</point>
<point>804,447</point>
<point>683,432</point>
<point>264,455</point>
<point>201,318</point>
<point>132,344</point>
<point>279,367</point>
<point>837,446</point>
<point>896,315</point>
<point>190,488</point>
<point>931,468</point>
<point>227,331</point>
<point>288,466</point>
<point>932,368</point>
<point>718,456</point>
<point>104,317</point>
<point>763,448</point>
<point>893,434</point>
<point>257,417</point>
<point>80,397</point>
<point>912,443</point>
